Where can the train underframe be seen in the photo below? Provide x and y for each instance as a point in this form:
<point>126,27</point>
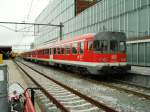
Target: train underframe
<point>110,70</point>
<point>94,70</point>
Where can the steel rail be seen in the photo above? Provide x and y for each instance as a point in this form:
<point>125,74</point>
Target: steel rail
<point>87,98</point>
<point>50,96</point>
<point>139,94</point>
<point>130,83</point>
<point>127,90</point>
<point>111,85</point>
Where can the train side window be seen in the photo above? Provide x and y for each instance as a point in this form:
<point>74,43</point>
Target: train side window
<point>68,49</point>
<point>58,50</point>
<point>90,45</point>
<point>50,51</point>
<point>46,51</point>
<point>81,47</point>
<point>63,50</point>
<point>54,50</point>
<point>74,48</point>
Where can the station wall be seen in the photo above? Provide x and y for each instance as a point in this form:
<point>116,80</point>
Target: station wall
<point>139,53</point>
<point>129,16</point>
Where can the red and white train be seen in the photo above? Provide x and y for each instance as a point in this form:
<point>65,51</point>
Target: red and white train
<point>95,53</point>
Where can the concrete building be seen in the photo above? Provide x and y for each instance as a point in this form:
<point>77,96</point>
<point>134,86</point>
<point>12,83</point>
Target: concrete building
<point>129,16</point>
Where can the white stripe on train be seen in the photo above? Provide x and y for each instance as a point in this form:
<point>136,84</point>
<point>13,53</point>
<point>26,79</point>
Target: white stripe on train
<point>84,64</point>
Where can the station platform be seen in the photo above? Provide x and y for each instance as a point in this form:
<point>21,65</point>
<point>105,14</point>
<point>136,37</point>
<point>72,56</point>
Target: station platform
<point>140,70</point>
<point>14,74</point>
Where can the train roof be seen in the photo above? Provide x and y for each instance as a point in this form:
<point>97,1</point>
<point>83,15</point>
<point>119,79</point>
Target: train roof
<point>68,40</point>
<point>110,36</point>
<point>99,36</point>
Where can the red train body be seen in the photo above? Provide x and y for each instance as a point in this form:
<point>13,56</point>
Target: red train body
<point>96,53</point>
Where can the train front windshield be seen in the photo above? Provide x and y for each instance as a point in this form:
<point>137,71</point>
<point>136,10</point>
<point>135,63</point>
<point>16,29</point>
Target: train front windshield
<point>122,46</point>
<point>101,46</point>
<point>117,46</point>
<point>112,46</point>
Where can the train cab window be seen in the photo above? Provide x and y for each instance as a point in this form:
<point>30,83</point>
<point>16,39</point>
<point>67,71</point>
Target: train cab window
<point>54,50</point>
<point>101,46</point>
<point>50,51</point>
<point>68,49</point>
<point>81,47</point>
<point>113,46</point>
<point>122,46</point>
<point>74,48</point>
<point>58,50</point>
<point>90,45</point>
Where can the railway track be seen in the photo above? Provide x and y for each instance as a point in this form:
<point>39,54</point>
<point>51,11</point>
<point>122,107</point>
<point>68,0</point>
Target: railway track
<point>127,88</point>
<point>65,98</point>
<point>122,86</point>
<point>132,83</point>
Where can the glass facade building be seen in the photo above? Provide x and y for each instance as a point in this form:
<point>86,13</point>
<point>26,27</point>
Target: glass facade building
<point>129,16</point>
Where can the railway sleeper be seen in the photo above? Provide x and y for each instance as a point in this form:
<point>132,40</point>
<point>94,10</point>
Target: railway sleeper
<point>81,101</point>
<point>68,99</point>
<point>93,109</point>
<point>66,96</point>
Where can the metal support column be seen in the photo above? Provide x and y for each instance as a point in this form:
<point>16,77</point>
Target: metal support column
<point>61,25</point>
<point>148,6</point>
<point>32,98</point>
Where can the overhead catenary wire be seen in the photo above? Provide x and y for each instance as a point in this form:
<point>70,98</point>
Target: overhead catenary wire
<point>28,15</point>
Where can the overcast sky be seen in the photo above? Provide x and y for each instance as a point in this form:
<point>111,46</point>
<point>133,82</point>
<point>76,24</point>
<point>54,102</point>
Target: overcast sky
<point>18,11</point>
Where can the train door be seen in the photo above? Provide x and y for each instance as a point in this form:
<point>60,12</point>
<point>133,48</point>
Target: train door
<point>81,51</point>
<point>50,53</point>
<point>89,54</point>
<point>75,51</point>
